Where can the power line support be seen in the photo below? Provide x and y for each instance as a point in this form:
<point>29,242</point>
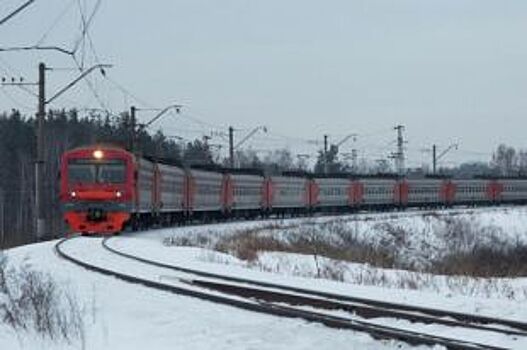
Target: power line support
<point>434,159</point>
<point>326,161</point>
<point>137,128</point>
<point>231,146</point>
<point>132,132</point>
<point>399,155</point>
<point>437,157</point>
<point>40,224</point>
<point>39,164</point>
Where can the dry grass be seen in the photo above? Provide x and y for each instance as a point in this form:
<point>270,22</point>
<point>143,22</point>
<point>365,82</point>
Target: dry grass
<point>485,262</point>
<point>32,301</point>
<point>311,238</point>
<point>469,250</point>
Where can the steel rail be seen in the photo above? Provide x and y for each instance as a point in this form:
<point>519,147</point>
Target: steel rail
<point>376,331</point>
<point>367,307</point>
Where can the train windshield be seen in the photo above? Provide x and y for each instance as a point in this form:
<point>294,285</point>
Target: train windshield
<point>96,171</point>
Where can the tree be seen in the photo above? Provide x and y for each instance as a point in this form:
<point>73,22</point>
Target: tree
<point>246,158</point>
<point>504,160</point>
<point>333,164</point>
<point>382,166</point>
<point>279,160</point>
<point>522,162</point>
<point>198,153</point>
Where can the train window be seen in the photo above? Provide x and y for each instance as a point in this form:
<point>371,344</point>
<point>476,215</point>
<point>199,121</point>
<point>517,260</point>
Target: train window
<point>96,171</point>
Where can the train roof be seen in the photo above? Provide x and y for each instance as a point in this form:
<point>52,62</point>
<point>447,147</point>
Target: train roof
<point>97,145</point>
<point>295,173</point>
<point>245,171</point>
<point>493,177</point>
<point>165,161</point>
<point>90,148</point>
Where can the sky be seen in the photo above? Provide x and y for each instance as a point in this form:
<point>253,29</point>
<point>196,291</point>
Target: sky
<point>450,71</point>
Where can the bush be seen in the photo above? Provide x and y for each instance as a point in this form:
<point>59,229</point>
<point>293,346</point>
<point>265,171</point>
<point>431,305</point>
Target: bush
<point>485,262</point>
<point>32,301</point>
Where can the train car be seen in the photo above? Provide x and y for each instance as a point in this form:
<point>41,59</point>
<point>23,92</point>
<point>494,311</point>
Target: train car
<point>207,191</point>
<point>247,192</point>
<point>331,192</point>
<point>512,191</point>
<point>171,193</point>
<point>473,191</point>
<point>146,187</point>
<point>288,193</point>
<point>425,192</point>
<point>379,193</point>
<point>97,188</point>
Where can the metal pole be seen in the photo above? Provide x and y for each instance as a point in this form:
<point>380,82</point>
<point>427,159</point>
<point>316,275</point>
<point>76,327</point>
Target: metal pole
<point>434,159</point>
<point>39,164</point>
<point>231,147</point>
<point>400,150</point>
<point>133,134</point>
<point>326,165</point>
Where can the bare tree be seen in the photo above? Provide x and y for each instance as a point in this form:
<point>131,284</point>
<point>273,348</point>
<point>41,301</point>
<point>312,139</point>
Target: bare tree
<point>504,160</point>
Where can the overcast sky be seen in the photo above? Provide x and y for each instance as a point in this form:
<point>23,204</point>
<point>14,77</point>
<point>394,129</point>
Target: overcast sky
<point>448,70</point>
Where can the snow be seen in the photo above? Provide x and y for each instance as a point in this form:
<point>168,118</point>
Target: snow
<point>120,315</point>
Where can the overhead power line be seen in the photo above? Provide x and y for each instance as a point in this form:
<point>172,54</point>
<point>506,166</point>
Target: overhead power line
<point>16,11</point>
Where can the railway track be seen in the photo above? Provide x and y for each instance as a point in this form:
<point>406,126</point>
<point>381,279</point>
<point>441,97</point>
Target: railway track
<point>298,303</point>
<point>367,308</point>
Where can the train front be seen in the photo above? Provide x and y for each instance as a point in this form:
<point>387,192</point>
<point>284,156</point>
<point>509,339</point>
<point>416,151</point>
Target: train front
<point>96,189</point>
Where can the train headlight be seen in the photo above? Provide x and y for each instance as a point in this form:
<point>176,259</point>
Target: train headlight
<point>98,154</point>
<point>73,194</point>
<point>118,194</point>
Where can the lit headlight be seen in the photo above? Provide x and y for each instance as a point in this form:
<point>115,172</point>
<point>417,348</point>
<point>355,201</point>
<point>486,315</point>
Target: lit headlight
<point>98,154</point>
<point>118,194</point>
<point>73,194</point>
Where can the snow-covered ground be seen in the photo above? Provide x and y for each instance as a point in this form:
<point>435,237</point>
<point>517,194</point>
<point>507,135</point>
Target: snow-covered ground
<point>415,240</point>
<point>118,315</point>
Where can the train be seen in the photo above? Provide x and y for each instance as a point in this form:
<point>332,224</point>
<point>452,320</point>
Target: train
<point>107,189</point>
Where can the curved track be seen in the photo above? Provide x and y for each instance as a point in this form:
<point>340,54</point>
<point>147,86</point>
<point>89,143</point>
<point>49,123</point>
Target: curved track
<point>265,301</point>
<point>363,307</point>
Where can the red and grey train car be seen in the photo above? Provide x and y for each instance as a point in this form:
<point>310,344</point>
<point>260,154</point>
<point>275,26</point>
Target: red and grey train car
<point>104,189</point>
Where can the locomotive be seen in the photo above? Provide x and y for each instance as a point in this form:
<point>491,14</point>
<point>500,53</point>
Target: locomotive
<point>104,189</point>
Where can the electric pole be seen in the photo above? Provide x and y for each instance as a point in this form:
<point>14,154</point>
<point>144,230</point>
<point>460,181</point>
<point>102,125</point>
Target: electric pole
<point>39,164</point>
<point>231,146</point>
<point>399,155</point>
<point>132,131</point>
<point>326,163</point>
<point>40,224</point>
<point>434,159</point>
<point>136,128</point>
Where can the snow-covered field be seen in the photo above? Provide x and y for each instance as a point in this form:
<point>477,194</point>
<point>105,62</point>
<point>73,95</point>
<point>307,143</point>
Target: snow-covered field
<point>415,241</point>
<point>118,315</point>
